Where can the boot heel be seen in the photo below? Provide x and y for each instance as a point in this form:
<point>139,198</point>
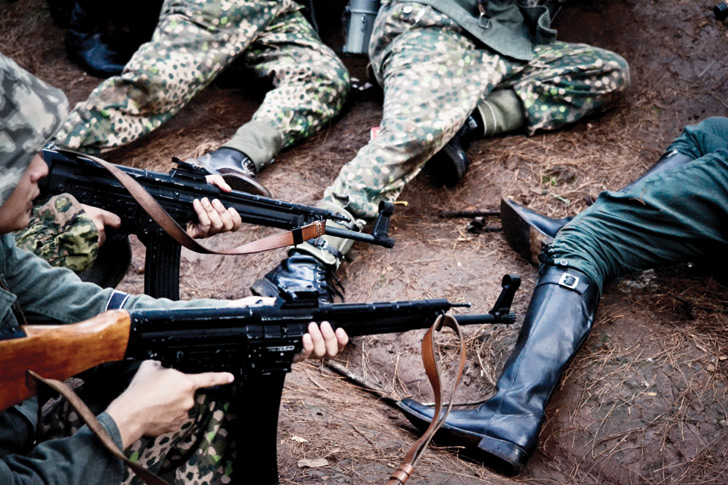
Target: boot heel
<point>502,456</point>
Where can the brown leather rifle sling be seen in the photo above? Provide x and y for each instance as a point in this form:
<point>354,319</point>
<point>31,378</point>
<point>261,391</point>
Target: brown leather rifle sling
<point>405,470</point>
<point>170,226</point>
<point>175,231</point>
<point>88,417</point>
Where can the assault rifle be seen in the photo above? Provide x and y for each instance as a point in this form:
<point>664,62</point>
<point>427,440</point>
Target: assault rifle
<point>256,343</point>
<point>93,185</point>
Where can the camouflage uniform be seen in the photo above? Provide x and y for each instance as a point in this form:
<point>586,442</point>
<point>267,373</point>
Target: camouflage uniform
<point>434,74</point>
<point>199,453</point>
<point>58,231</point>
<point>194,41</point>
<point>61,233</point>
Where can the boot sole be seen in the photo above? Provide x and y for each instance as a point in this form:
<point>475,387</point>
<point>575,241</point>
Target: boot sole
<point>523,238</point>
<point>242,183</point>
<point>499,455</point>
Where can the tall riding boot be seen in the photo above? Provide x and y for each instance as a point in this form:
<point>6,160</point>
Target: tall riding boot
<point>85,45</point>
<point>503,432</point>
<point>527,231</point>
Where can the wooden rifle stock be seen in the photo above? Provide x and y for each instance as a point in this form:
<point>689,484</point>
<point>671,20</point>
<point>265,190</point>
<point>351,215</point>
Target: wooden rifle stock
<point>59,352</point>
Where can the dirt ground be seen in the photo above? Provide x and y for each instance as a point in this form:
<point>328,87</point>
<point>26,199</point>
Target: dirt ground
<point>644,401</point>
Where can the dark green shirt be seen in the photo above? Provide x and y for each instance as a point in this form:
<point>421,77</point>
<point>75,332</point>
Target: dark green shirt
<point>49,295</point>
<point>511,30</point>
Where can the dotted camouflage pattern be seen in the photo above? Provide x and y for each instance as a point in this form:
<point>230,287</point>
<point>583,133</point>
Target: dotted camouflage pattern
<point>199,453</point>
<point>194,41</point>
<point>434,75</point>
<point>61,233</point>
<point>30,112</point>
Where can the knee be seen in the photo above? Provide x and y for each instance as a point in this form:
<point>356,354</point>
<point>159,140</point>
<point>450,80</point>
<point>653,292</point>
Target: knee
<point>334,77</point>
<point>713,125</point>
<point>152,87</point>
<point>616,68</point>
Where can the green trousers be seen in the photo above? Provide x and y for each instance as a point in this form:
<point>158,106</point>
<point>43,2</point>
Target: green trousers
<point>665,218</point>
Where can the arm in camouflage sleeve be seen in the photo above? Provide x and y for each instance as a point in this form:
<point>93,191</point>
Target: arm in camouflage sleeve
<point>61,233</point>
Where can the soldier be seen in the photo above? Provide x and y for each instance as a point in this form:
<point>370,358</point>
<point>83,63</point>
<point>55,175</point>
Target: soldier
<point>183,432</point>
<point>452,68</point>
<point>673,213</point>
<point>195,41</point>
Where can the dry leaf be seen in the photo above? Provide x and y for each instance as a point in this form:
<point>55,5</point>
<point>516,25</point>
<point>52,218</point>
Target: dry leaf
<point>315,463</point>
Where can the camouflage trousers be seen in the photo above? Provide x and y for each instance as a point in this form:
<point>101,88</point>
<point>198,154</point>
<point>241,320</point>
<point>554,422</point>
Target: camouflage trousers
<point>194,41</point>
<point>201,452</point>
<point>434,75</point>
<point>61,233</point>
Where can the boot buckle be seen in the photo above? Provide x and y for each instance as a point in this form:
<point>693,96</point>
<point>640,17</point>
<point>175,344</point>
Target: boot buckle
<point>569,281</point>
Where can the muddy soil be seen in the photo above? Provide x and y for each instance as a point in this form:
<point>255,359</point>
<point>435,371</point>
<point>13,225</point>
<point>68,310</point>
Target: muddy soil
<point>645,399</point>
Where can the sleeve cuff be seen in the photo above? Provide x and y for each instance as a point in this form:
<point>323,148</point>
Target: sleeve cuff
<point>110,426</point>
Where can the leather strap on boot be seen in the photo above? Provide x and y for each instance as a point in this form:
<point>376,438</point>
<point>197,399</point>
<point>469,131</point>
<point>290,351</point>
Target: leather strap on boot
<point>567,280</point>
<point>405,470</point>
<point>94,425</point>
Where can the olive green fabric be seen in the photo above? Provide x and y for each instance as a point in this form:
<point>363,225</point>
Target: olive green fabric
<point>678,215</point>
<point>259,141</point>
<point>501,112</point>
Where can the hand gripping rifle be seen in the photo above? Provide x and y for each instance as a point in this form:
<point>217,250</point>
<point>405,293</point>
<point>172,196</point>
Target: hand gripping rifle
<point>256,343</point>
<point>94,185</point>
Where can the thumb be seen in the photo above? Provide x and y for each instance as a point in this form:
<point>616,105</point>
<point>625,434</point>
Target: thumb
<point>111,220</point>
<point>210,379</point>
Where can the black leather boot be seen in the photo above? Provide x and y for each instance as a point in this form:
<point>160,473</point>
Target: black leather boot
<point>235,167</point>
<point>451,163</point>
<point>85,45</point>
<point>299,277</point>
<point>667,163</point>
<point>502,433</point>
<point>527,231</point>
